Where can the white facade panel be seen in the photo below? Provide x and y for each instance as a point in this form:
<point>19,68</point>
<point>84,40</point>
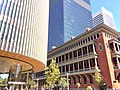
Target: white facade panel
<point>24,27</point>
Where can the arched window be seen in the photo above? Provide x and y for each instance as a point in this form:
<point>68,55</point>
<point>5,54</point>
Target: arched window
<point>70,81</point>
<point>91,79</point>
<point>79,79</point>
<point>85,79</point>
<point>74,80</point>
<point>118,78</point>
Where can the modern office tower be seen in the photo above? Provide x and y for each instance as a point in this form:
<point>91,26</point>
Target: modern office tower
<point>23,34</point>
<point>104,16</point>
<point>78,59</point>
<point>67,19</point>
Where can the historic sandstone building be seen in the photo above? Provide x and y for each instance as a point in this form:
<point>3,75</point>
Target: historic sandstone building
<point>78,57</point>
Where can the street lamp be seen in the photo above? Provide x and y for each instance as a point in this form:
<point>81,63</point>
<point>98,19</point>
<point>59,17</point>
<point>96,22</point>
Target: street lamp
<point>68,81</point>
<point>37,83</point>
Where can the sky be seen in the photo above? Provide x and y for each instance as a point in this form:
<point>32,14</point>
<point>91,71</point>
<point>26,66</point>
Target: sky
<point>111,5</point>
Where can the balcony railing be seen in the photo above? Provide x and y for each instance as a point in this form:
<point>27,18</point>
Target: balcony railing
<point>73,71</point>
<point>80,70</point>
<point>73,58</point>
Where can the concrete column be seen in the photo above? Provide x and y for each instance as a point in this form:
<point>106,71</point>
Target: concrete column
<point>96,62</point>
<point>61,69</point>
<point>68,81</point>
<point>87,50</point>
<point>73,67</point>
<point>27,76</point>
<point>65,68</point>
<point>89,64</point>
<point>82,51</point>
<point>69,67</point>
<point>77,54</point>
<point>72,55</point>
<point>114,46</point>
<point>68,56</point>
<point>64,57</point>
<point>83,66</point>
<point>78,66</point>
<point>94,49</point>
<point>118,63</point>
<point>21,87</point>
<point>118,47</point>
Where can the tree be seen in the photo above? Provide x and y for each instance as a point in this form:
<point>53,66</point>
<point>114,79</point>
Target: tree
<point>78,85</point>
<point>89,88</point>
<point>31,84</point>
<point>98,78</point>
<point>63,82</point>
<point>52,74</point>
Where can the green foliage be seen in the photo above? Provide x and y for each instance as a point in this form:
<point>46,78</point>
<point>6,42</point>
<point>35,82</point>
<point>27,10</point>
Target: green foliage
<point>89,88</point>
<point>78,84</point>
<point>31,83</point>
<point>63,82</point>
<point>52,74</point>
<point>3,81</point>
<point>46,86</point>
<point>98,77</point>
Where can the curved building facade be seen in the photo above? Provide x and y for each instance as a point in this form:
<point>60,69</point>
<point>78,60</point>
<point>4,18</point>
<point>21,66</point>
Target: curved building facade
<point>23,33</point>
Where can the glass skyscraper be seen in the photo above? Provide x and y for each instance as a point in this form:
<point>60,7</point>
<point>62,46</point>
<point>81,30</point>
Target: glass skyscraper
<point>67,19</point>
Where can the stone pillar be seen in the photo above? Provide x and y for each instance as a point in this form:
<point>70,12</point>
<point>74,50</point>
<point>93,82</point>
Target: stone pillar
<point>89,64</point>
<point>82,51</point>
<point>69,67</point>
<point>83,66</point>
<point>94,48</point>
<point>118,63</point>
<point>68,56</point>
<point>72,55</point>
<point>77,54</point>
<point>61,69</point>
<point>65,68</point>
<point>78,66</point>
<point>118,47</point>
<point>87,50</point>
<point>73,67</point>
<point>114,47</point>
<point>27,76</point>
<point>96,62</point>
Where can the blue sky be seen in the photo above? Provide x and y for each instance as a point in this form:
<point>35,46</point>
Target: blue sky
<point>112,5</point>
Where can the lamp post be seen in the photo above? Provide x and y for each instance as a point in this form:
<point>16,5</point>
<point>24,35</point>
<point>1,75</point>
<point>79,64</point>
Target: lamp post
<point>37,83</point>
<point>68,81</point>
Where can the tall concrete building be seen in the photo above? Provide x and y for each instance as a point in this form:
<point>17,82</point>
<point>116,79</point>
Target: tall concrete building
<point>23,34</point>
<point>104,16</point>
<point>67,19</point>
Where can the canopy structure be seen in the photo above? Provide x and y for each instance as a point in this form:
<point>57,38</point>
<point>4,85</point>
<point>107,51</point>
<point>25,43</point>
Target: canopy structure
<point>8,60</point>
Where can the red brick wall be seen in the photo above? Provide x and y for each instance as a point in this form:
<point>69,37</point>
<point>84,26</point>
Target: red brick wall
<point>104,59</point>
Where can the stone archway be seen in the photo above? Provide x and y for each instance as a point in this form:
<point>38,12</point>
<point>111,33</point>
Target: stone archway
<point>79,79</point>
<point>85,78</point>
<point>70,80</point>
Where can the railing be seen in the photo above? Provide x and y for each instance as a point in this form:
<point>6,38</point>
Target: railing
<point>73,71</point>
<point>80,70</point>
<point>73,58</point>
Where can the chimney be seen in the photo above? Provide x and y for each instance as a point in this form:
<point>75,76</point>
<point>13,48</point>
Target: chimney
<point>88,29</point>
<point>53,47</point>
<point>72,37</point>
